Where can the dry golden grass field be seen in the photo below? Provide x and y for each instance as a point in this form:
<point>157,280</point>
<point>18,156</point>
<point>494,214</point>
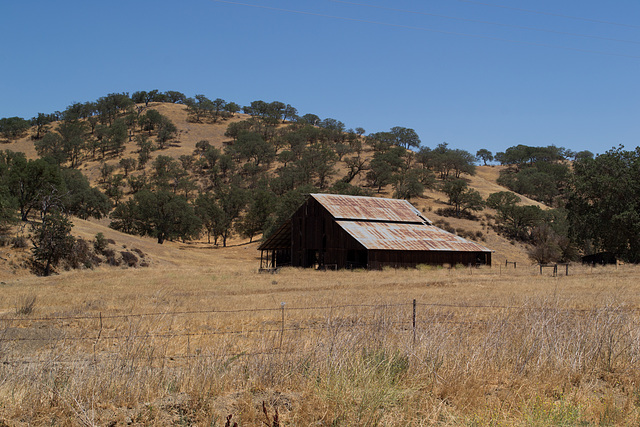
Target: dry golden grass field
<point>201,335</point>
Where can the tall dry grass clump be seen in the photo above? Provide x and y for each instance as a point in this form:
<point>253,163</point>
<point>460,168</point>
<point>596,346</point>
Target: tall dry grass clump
<point>26,304</point>
<point>514,356</point>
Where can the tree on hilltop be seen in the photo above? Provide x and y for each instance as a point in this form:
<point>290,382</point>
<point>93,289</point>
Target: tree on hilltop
<point>13,127</point>
<point>42,124</point>
<point>175,97</point>
<point>405,137</point>
<point>484,155</point>
<point>109,107</point>
<point>198,108</point>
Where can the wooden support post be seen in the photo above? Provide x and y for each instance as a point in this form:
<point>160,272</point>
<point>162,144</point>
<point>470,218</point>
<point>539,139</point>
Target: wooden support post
<point>555,268</point>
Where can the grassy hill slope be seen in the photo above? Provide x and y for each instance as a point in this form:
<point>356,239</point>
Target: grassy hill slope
<point>484,181</point>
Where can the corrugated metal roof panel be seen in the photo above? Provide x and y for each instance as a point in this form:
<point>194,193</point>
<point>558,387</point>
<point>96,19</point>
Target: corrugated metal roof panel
<point>369,208</point>
<point>408,237</point>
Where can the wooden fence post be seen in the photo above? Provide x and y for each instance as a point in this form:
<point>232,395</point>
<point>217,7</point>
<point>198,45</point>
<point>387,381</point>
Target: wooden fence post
<point>282,329</point>
<point>188,351</point>
<point>97,339</point>
<point>414,322</point>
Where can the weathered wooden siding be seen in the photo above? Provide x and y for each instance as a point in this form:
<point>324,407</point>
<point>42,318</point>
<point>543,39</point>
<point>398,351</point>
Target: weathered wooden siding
<point>379,259</point>
<point>314,232</point>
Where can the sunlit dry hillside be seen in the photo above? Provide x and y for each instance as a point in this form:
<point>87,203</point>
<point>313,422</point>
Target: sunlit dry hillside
<point>189,134</point>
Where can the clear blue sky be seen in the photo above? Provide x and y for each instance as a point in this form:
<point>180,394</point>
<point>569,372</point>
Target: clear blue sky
<point>470,73</point>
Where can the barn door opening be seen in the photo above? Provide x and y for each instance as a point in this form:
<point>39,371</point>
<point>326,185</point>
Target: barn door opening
<point>357,259</point>
<point>312,258</point>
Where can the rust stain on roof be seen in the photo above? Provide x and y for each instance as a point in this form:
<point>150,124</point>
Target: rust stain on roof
<point>369,208</point>
<point>407,237</point>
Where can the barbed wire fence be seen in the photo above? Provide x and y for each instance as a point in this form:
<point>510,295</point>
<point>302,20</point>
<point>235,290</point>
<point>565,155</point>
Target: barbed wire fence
<point>402,319</point>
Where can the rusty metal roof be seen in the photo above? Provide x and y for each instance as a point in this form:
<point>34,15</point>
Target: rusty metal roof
<point>369,208</point>
<point>407,237</point>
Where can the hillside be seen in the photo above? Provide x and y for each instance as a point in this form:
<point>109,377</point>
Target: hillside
<point>189,134</point>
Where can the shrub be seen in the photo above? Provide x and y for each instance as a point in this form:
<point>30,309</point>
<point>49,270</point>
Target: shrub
<point>442,223</point>
<point>130,259</point>
<point>466,234</point>
<point>445,225</point>
<point>100,243</point>
<point>111,257</point>
<point>20,242</point>
<point>81,255</point>
<point>451,212</point>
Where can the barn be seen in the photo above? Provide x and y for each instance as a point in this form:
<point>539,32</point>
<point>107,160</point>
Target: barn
<point>601,258</point>
<point>336,231</point>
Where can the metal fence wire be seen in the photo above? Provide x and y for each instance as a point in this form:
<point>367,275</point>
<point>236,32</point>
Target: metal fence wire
<point>398,318</point>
